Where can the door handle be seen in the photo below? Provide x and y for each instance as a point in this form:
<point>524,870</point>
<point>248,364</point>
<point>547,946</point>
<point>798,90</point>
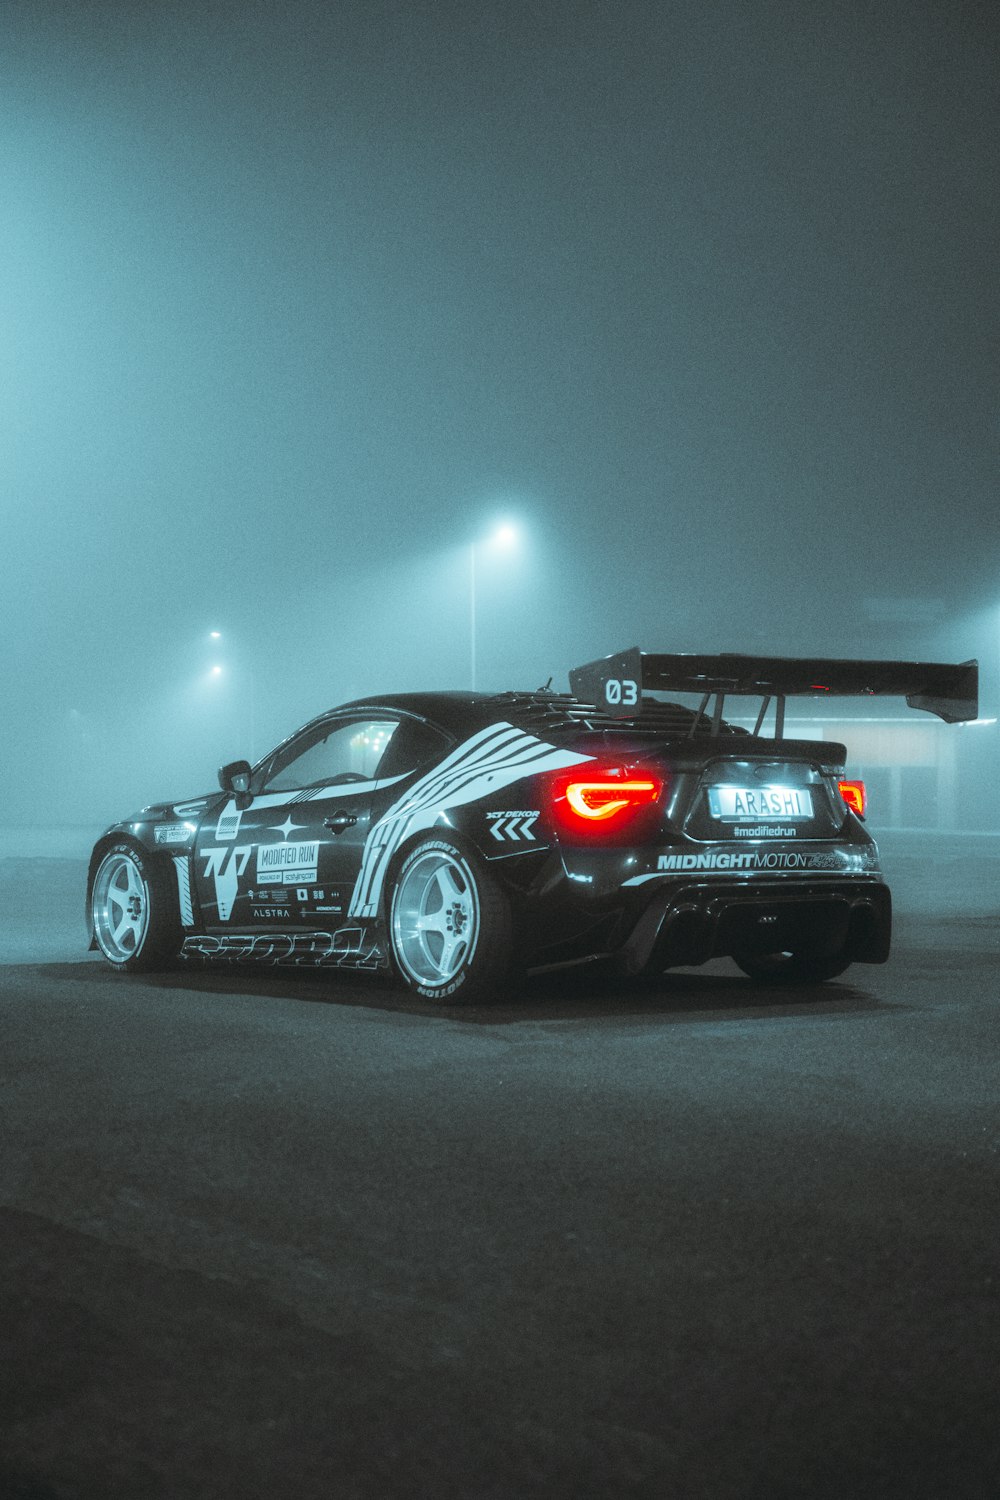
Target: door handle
<point>339,821</point>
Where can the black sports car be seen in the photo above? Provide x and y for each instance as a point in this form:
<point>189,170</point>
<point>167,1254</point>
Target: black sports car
<point>449,836</point>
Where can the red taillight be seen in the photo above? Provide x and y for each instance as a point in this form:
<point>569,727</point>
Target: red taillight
<point>853,793</point>
<point>602,799</point>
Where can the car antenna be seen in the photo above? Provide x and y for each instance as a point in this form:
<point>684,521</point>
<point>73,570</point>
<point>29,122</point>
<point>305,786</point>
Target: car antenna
<point>547,688</point>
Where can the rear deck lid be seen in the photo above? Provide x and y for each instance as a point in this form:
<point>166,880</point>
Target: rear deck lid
<point>766,797</point>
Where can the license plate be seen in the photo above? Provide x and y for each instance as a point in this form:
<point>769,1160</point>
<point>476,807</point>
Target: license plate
<point>733,803</point>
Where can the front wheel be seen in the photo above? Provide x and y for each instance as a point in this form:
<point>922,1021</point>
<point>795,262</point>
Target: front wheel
<point>134,911</point>
<point>790,968</point>
<point>449,924</point>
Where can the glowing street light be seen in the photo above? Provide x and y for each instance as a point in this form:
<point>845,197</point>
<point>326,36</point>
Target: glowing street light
<point>504,536</point>
<point>218,670</point>
<point>215,671</point>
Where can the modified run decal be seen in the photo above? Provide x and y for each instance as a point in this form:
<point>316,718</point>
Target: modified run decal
<point>287,864</point>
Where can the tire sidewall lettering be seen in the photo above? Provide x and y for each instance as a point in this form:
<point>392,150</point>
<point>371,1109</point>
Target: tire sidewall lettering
<point>129,851</point>
<point>432,992</point>
<point>445,846</point>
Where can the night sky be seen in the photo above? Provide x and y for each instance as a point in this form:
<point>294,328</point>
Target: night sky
<point>298,301</point>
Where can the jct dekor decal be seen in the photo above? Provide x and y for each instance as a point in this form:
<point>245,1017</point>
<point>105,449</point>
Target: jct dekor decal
<point>514,826</point>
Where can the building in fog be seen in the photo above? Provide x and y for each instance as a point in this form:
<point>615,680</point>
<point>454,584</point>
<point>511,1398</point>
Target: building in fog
<point>920,772</point>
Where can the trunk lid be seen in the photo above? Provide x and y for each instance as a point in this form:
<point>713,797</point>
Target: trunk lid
<point>783,790</point>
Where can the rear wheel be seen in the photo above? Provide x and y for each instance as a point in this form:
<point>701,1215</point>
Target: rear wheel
<point>790,968</point>
<point>134,910</point>
<point>449,924</point>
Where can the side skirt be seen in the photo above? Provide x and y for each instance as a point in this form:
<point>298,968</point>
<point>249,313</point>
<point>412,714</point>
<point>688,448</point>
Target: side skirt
<point>354,947</point>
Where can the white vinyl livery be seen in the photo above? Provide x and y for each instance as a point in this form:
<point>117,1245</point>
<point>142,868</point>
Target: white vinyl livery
<point>485,763</point>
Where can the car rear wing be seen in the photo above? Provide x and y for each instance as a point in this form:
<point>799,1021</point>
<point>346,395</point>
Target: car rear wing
<point>616,683</point>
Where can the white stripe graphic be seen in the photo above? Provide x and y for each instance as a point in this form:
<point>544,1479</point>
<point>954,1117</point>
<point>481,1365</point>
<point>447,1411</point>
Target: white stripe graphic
<point>487,762</point>
<point>514,827</point>
<point>332,789</point>
<point>182,866</point>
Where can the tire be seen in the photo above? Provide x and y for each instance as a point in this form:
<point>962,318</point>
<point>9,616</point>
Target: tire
<point>133,910</point>
<point>790,968</point>
<point>450,928</point>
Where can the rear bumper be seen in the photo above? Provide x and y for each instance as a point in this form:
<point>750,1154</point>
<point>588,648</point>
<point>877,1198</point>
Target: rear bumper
<point>690,923</point>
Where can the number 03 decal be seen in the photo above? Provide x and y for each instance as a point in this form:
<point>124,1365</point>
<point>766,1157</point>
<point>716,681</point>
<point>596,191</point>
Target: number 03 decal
<point>623,690</point>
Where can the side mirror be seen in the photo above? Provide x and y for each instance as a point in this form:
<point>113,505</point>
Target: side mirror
<point>235,778</point>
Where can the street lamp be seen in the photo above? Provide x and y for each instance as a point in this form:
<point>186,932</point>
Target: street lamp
<point>504,536</point>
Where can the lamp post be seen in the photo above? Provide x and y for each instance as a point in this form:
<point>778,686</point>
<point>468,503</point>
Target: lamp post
<point>503,536</point>
<point>472,615</point>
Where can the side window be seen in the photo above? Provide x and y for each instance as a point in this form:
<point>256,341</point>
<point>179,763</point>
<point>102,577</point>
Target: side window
<point>413,744</point>
<point>331,753</point>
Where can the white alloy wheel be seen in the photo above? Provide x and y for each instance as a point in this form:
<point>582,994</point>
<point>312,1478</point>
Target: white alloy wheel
<point>450,924</point>
<point>133,910</point>
<point>436,917</point>
<point>120,907</point>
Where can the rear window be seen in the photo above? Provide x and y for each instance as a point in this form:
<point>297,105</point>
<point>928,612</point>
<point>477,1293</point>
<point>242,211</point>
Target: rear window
<point>414,744</point>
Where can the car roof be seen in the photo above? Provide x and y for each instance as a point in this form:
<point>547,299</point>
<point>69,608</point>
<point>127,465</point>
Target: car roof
<point>540,712</point>
<point>551,716</point>
<point>454,711</point>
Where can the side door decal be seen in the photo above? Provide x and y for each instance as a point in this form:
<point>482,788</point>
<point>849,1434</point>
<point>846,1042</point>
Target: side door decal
<point>225,866</point>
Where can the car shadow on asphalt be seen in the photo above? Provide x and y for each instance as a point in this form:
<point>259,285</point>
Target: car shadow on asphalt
<point>580,993</point>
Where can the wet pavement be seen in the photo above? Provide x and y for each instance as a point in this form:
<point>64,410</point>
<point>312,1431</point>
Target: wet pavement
<point>269,1235</point>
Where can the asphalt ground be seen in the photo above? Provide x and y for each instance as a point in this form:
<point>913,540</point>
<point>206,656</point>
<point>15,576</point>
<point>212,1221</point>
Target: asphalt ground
<point>288,1235</point>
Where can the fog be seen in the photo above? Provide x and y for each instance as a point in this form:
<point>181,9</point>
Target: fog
<point>299,301</point>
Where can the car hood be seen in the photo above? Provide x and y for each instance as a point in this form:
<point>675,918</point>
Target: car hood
<point>179,809</point>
